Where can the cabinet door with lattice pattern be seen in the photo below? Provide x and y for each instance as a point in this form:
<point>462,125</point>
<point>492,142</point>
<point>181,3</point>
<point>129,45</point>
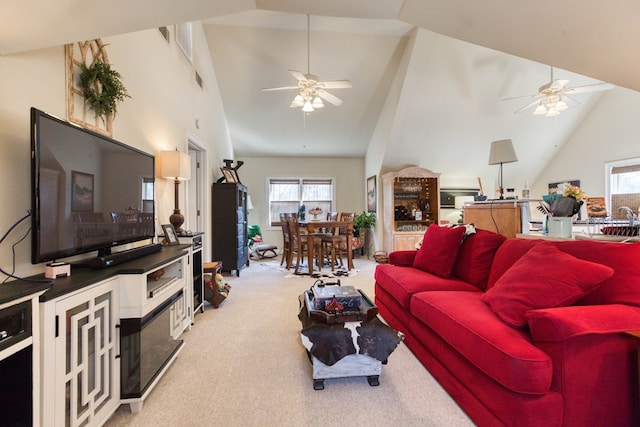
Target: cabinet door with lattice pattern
<point>88,382</point>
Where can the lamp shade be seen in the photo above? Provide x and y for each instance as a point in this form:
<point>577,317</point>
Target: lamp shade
<point>502,152</point>
<point>175,165</point>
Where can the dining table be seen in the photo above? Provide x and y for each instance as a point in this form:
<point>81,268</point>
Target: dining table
<point>322,226</point>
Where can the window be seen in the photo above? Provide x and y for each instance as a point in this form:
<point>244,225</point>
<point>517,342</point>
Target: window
<point>623,186</point>
<point>147,195</point>
<point>287,194</point>
<point>184,38</point>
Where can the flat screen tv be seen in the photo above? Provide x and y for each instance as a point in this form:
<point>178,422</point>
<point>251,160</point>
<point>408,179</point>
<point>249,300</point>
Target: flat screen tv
<point>89,192</point>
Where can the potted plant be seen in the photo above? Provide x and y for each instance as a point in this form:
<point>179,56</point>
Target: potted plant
<point>363,221</point>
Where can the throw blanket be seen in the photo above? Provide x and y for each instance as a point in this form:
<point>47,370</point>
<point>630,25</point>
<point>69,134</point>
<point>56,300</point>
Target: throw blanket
<point>330,343</point>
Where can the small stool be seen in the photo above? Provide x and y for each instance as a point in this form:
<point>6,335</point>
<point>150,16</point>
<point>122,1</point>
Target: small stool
<point>214,267</point>
<point>260,251</point>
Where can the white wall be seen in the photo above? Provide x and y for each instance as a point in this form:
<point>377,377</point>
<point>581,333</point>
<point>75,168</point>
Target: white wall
<point>610,132</point>
<point>165,104</point>
<point>348,173</point>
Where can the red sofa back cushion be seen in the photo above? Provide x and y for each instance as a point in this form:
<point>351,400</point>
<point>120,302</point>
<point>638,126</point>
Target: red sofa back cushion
<point>476,256</point>
<point>439,250</point>
<point>623,287</point>
<point>544,277</point>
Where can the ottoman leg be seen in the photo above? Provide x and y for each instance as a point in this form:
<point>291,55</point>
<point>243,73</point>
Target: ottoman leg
<point>318,384</point>
<point>373,380</point>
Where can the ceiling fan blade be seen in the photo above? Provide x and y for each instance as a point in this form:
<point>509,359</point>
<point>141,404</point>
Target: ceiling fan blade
<point>589,88</point>
<point>527,106</point>
<point>329,97</point>
<point>521,97</point>
<point>335,84</point>
<point>269,89</point>
<point>298,75</point>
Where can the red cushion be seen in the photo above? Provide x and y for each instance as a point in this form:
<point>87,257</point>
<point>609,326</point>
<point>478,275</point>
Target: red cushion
<point>475,257</point>
<point>544,277</point>
<point>468,325</point>
<point>507,254</point>
<point>439,250</point>
<point>402,282</point>
<point>621,288</point>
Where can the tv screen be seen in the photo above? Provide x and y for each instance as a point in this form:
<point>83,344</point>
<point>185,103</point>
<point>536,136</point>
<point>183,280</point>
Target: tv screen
<point>89,192</point>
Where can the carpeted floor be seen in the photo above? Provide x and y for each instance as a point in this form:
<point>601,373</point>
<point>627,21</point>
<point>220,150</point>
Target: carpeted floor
<point>244,365</point>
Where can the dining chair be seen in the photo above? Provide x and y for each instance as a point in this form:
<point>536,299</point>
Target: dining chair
<point>286,241</point>
<point>299,241</point>
<point>335,244</point>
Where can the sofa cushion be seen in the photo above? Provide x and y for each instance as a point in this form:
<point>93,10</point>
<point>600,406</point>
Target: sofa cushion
<point>544,277</point>
<point>475,257</point>
<point>439,250</point>
<point>402,282</point>
<point>467,324</point>
<point>507,254</point>
<point>621,288</point>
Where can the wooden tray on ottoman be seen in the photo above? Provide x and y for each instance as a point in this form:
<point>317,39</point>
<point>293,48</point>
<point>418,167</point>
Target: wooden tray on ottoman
<point>368,310</point>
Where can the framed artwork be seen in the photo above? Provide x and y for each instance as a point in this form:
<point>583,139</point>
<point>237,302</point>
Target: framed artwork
<point>81,192</point>
<point>230,175</point>
<point>553,186</point>
<point>170,234</point>
<point>372,196</point>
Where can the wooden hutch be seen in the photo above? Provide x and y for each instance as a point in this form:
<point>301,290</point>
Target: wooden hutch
<point>411,200</point>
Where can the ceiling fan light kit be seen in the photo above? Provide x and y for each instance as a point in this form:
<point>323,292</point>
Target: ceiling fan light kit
<point>311,90</point>
<point>552,98</point>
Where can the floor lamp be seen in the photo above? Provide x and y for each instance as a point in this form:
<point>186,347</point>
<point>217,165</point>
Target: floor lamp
<point>502,152</point>
<point>177,166</point>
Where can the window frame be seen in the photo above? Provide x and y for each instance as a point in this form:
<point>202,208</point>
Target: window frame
<point>608,169</point>
<point>275,224</point>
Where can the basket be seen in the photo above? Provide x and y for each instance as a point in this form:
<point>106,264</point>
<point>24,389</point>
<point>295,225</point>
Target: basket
<point>381,257</point>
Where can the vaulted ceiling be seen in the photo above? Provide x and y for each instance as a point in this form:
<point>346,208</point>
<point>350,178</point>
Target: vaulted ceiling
<point>439,68</point>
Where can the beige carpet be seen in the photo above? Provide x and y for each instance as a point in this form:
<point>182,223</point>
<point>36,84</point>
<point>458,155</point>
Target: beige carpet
<point>244,365</point>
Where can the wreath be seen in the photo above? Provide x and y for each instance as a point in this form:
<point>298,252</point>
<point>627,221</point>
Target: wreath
<point>102,87</point>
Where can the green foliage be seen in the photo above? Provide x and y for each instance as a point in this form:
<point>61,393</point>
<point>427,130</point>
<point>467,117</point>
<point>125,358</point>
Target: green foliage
<point>364,221</point>
<point>102,88</point>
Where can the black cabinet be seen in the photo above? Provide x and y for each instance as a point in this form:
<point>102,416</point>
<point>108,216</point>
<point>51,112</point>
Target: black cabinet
<point>230,236</point>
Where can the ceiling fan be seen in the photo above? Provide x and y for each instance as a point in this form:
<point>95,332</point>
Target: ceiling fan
<point>311,90</point>
<point>553,97</point>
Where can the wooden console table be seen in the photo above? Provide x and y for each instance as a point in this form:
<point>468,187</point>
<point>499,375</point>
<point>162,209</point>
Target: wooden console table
<point>506,217</point>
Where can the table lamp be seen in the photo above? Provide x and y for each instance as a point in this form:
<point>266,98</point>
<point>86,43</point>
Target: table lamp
<point>177,166</point>
<point>502,152</point>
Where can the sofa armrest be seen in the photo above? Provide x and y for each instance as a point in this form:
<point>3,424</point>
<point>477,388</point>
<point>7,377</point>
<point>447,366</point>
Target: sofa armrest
<point>402,258</point>
<point>563,323</point>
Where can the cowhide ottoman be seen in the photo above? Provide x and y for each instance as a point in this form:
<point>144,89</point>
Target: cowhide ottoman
<point>349,349</point>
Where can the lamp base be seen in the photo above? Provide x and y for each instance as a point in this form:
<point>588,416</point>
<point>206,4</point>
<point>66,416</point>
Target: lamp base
<point>177,219</point>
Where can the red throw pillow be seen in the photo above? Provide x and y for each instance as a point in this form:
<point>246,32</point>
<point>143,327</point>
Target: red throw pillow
<point>440,246</point>
<point>544,277</point>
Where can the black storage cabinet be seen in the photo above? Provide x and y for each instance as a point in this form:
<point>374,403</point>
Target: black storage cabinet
<point>230,235</point>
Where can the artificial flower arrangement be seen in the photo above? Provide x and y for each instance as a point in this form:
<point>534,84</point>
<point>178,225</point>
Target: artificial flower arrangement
<point>567,202</point>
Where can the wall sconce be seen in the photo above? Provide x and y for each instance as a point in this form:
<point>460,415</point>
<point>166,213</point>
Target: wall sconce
<point>502,152</point>
<point>177,166</point>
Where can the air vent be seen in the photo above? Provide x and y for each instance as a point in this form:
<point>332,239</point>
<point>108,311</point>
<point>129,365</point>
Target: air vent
<point>199,80</point>
<point>165,33</point>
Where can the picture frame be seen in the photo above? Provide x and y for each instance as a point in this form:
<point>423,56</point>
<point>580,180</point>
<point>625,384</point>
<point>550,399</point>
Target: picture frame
<point>372,194</point>
<point>82,192</point>
<point>170,234</point>
<point>230,175</point>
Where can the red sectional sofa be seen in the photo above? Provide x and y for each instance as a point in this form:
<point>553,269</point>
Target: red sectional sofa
<point>521,332</point>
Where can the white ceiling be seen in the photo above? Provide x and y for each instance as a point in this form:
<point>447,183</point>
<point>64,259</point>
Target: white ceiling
<point>450,104</point>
